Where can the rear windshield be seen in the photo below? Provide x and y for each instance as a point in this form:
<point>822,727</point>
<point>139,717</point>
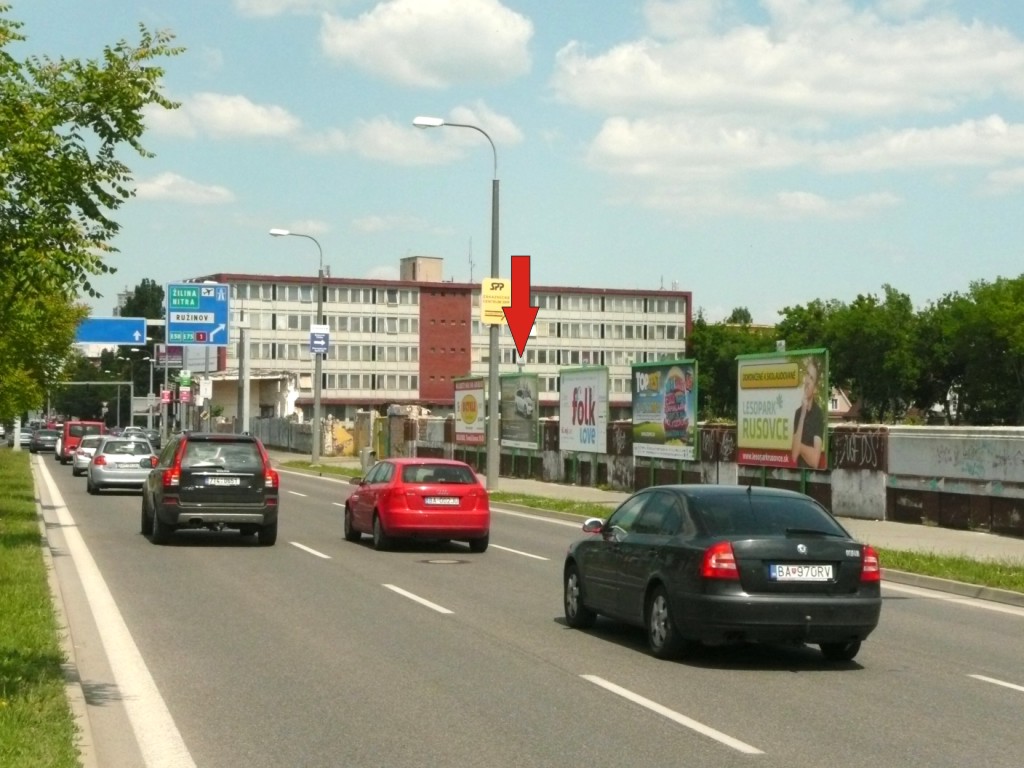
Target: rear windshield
<point>753,515</point>
<point>126,448</point>
<point>77,430</point>
<point>242,456</point>
<point>444,474</point>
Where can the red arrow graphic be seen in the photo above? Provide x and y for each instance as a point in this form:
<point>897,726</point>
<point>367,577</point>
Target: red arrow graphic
<point>520,315</point>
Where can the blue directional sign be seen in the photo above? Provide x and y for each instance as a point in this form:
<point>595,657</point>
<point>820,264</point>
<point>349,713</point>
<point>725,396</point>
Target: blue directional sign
<point>319,339</point>
<point>111,330</point>
<point>197,314</point>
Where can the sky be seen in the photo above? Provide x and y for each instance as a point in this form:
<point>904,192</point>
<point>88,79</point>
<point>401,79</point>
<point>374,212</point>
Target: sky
<point>758,153</point>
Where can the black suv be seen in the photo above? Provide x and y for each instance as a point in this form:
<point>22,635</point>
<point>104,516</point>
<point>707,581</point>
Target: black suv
<point>214,481</point>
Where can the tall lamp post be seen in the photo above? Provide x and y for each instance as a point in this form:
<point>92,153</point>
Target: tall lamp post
<point>318,363</point>
<point>493,395</point>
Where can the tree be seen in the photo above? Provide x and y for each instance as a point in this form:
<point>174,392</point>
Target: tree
<point>62,124</point>
<point>739,316</point>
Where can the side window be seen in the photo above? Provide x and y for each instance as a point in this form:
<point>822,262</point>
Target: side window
<point>660,516</point>
<point>387,471</point>
<point>374,473</point>
<point>623,519</point>
<point>167,454</point>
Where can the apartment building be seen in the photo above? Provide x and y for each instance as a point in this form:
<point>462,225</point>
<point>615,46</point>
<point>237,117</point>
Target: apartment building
<point>404,341</point>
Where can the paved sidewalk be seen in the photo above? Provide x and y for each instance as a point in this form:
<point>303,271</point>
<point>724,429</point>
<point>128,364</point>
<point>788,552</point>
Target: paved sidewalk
<point>878,533</point>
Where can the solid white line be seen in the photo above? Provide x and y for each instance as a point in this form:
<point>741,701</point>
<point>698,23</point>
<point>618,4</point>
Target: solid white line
<point>337,504</point>
<point>418,599</point>
<point>304,548</point>
<point>517,552</point>
<point>296,493</point>
<point>973,602</point>
<point>700,728</point>
<point>998,682</point>
<point>556,521</point>
<point>157,735</point>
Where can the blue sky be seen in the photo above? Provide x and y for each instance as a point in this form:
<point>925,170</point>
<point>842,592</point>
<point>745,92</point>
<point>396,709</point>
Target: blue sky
<point>759,154</point>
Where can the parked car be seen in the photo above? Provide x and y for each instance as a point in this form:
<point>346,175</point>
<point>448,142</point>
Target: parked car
<point>119,462</point>
<point>73,432</point>
<point>524,402</point>
<point>419,498</point>
<point>213,481</point>
<point>714,563</point>
<point>83,454</point>
<point>43,440</point>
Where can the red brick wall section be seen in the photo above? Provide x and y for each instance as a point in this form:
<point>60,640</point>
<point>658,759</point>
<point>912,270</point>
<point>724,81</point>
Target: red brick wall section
<point>445,341</point>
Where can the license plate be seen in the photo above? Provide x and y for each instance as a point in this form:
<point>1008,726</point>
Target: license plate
<point>780,572</point>
<point>223,481</point>
<point>443,501</point>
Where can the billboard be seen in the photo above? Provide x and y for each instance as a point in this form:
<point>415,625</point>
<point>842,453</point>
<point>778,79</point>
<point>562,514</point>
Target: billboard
<point>782,409</point>
<point>520,411</point>
<point>665,410</point>
<point>583,410</point>
<point>470,412</point>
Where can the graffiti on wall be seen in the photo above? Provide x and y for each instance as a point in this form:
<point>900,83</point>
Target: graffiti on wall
<point>857,449</point>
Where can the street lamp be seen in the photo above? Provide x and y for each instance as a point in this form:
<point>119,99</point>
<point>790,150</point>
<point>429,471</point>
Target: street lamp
<point>318,363</point>
<point>493,396</point>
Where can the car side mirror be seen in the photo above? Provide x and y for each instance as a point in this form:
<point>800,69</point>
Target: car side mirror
<point>355,480</point>
<point>593,525</point>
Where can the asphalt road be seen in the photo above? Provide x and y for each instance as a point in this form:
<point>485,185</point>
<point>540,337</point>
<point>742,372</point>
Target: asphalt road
<point>316,652</point>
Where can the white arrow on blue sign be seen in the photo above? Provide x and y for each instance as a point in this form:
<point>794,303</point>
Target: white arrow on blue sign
<point>111,330</point>
<point>319,339</point>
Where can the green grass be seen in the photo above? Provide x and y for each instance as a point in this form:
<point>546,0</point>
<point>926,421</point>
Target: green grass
<point>36,724</point>
<point>37,729</point>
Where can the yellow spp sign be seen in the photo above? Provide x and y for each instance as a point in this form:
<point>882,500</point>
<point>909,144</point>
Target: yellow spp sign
<point>495,293</point>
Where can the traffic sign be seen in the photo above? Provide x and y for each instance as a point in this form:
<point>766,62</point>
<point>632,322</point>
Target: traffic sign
<point>197,314</point>
<point>495,293</point>
<point>319,339</point>
<point>111,330</point>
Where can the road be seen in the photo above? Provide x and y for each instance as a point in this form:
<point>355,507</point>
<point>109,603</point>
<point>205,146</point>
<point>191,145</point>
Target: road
<point>316,652</point>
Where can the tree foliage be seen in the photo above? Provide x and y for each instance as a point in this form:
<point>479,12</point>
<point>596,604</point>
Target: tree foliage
<point>63,123</point>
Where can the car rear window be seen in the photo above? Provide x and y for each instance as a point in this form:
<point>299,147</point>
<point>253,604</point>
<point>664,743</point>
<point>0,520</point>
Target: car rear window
<point>234,456</point>
<point>444,474</point>
<point>126,447</point>
<point>753,515</point>
<point>77,430</point>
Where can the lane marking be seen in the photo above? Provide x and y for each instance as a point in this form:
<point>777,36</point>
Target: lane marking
<point>674,716</point>
<point>556,521</point>
<point>973,602</point>
<point>517,552</point>
<point>418,599</point>
<point>338,504</point>
<point>998,682</point>
<point>157,735</point>
<point>311,551</point>
<point>296,493</point>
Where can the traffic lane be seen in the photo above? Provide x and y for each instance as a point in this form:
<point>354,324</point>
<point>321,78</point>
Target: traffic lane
<point>309,669</point>
<point>620,637</point>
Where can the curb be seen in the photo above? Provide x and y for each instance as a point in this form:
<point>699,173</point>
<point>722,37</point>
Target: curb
<point>72,681</point>
<point>960,588</point>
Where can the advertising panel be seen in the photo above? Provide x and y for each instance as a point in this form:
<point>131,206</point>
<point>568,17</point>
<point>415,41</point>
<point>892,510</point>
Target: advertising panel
<point>520,411</point>
<point>583,410</point>
<point>665,410</point>
<point>470,412</point>
<point>782,411</point>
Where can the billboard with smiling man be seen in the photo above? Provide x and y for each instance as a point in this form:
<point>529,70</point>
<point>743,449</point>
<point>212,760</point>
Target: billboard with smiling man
<point>782,411</point>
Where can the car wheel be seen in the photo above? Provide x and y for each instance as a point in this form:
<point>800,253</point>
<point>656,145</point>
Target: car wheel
<point>840,651</point>
<point>267,535</point>
<point>351,534</point>
<point>380,539</point>
<point>160,533</point>
<point>92,489</point>
<point>662,635</point>
<point>146,522</point>
<point>577,615</point>
<point>75,472</point>
<point>480,545</point>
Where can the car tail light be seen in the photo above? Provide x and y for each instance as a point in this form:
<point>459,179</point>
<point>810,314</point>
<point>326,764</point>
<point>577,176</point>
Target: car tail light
<point>719,562</point>
<point>270,477</point>
<point>870,568</point>
<point>100,460</point>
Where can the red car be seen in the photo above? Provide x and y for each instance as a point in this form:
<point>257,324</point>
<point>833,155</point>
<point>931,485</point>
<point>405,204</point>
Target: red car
<point>419,498</point>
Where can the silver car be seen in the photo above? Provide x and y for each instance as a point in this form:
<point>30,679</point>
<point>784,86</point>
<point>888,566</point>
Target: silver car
<point>119,463</point>
<point>83,454</point>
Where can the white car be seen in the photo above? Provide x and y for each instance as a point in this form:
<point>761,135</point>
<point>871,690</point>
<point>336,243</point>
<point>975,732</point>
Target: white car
<point>524,402</point>
<point>83,454</point>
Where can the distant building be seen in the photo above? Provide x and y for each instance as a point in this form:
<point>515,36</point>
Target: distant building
<point>403,342</point>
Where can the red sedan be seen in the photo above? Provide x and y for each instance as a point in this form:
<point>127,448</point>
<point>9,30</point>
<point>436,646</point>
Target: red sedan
<point>419,498</point>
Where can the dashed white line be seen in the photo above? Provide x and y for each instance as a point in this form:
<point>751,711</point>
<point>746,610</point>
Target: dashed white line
<point>517,552</point>
<point>296,493</point>
<point>700,728</point>
<point>1003,683</point>
<point>311,551</point>
<point>418,599</point>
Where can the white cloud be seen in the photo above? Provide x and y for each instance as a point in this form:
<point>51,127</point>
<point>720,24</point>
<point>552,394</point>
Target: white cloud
<point>222,116</point>
<point>171,186</point>
<point>388,223</point>
<point>433,43</point>
<point>813,57</point>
